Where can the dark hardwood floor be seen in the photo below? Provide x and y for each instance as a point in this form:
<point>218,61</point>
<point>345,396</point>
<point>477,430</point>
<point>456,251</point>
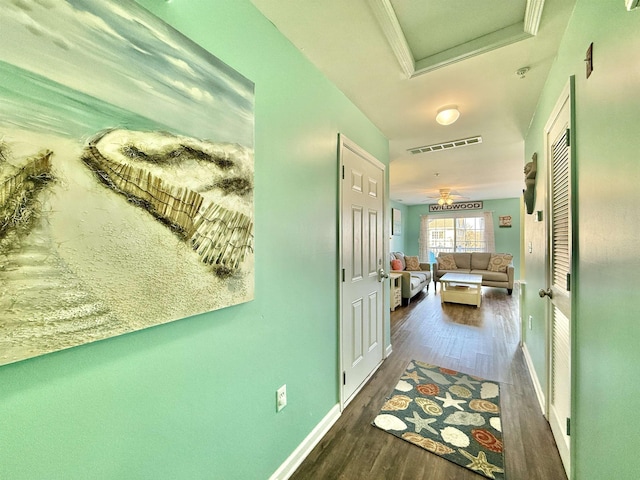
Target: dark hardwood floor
<point>480,341</point>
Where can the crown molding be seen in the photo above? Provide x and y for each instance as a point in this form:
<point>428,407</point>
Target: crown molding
<point>486,43</point>
<point>388,20</point>
<point>412,67</point>
<point>532,16</point>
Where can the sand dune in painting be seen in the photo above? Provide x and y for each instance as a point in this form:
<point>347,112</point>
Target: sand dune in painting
<point>198,189</point>
<point>80,262</point>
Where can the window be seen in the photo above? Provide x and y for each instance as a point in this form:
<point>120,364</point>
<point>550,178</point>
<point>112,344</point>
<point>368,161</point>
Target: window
<point>469,233</point>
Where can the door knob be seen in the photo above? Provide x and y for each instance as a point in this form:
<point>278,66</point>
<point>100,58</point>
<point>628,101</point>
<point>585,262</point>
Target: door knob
<point>382,274</point>
<point>542,292</point>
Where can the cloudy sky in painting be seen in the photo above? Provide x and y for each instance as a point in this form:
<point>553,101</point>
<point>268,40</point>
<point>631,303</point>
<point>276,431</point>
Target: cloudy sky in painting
<point>119,53</point>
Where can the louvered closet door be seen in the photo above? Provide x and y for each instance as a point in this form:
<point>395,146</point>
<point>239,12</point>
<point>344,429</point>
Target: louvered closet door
<point>560,247</point>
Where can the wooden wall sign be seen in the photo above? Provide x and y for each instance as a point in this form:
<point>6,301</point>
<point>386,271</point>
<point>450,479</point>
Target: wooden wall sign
<point>456,207</point>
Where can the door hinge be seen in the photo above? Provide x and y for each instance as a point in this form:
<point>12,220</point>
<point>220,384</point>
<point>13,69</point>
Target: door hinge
<point>344,378</point>
<point>568,427</point>
<point>568,138</point>
<point>568,282</point>
<point>343,275</point>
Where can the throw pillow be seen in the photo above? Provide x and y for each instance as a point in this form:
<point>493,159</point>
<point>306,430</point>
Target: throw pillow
<point>413,263</point>
<point>499,262</point>
<point>446,262</point>
<point>400,256</point>
<point>396,264</point>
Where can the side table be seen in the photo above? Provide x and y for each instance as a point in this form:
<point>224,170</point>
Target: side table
<point>396,290</point>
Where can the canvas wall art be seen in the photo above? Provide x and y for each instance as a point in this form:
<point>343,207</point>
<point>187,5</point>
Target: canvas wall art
<point>396,221</point>
<point>126,175</point>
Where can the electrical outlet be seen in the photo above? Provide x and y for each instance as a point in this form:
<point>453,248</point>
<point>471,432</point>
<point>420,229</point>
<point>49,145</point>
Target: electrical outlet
<point>530,321</point>
<point>281,398</point>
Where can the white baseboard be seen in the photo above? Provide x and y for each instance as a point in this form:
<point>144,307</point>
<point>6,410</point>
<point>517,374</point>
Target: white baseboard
<point>300,453</point>
<point>388,351</point>
<point>534,379</point>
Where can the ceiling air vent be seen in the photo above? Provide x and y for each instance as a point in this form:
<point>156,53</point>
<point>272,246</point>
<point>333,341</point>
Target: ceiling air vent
<point>436,147</point>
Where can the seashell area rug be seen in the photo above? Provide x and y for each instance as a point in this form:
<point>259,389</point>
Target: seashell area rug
<point>449,413</point>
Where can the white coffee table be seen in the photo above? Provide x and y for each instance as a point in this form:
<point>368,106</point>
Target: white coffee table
<point>463,288</point>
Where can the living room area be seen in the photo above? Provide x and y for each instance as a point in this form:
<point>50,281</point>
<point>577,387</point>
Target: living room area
<point>494,228</point>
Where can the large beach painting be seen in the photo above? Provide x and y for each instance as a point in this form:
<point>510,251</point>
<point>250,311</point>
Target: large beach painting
<point>126,175</point>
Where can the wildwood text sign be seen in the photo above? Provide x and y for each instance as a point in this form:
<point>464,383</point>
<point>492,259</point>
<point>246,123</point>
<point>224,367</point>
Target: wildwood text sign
<point>458,206</point>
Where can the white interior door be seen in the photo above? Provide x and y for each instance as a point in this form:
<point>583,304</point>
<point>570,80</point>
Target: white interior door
<point>558,289</point>
<point>362,225</point>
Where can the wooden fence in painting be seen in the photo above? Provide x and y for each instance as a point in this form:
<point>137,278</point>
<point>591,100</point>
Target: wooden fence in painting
<point>222,236</point>
<point>219,235</point>
<point>17,185</point>
<point>177,206</point>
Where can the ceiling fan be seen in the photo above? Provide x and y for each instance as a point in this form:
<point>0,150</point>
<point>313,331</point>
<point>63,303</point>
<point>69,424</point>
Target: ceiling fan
<point>446,196</point>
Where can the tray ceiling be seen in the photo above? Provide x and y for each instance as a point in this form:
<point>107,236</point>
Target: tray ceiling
<point>425,35</point>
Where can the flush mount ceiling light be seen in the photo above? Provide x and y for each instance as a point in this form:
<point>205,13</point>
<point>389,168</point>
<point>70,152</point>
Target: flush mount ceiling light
<point>447,115</point>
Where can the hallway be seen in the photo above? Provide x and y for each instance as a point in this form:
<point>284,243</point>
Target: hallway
<point>482,342</point>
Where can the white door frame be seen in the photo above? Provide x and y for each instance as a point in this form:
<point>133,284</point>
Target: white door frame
<point>566,99</point>
<point>344,142</point>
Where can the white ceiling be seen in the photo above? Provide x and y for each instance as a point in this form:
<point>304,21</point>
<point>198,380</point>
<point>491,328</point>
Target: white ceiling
<point>399,61</point>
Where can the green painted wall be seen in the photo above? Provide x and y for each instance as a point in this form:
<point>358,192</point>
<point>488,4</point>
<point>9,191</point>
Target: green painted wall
<point>196,398</point>
<point>507,239</point>
<point>397,243</point>
<point>606,330</point>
